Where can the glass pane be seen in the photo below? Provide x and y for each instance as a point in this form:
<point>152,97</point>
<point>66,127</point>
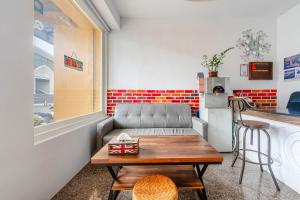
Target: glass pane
<point>67,49</point>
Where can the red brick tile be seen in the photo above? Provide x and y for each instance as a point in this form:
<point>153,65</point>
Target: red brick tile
<point>146,94</point>
<point>256,91</point>
<point>252,95</point>
<point>184,101</point>
<point>171,97</point>
<point>170,91</point>
<point>156,94</point>
<point>179,91</point>
<point>256,98</point>
<point>131,97</point>
<point>272,94</point>
<point>160,91</point>
<point>131,91</point>
<point>262,94</point>
<point>150,91</point>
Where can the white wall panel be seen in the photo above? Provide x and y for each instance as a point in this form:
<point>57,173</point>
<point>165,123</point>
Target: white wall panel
<point>166,54</point>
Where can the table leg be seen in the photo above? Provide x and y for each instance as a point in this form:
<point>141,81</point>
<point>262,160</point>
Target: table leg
<point>113,194</point>
<point>202,194</point>
<point>112,172</point>
<point>200,173</point>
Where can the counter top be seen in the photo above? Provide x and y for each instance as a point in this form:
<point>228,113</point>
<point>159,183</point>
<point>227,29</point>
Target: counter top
<point>275,116</point>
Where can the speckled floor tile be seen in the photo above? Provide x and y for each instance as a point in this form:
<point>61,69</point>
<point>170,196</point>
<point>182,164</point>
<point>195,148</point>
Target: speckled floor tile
<point>93,183</point>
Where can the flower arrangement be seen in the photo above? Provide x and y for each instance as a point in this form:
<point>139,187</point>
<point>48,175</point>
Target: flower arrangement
<point>213,63</point>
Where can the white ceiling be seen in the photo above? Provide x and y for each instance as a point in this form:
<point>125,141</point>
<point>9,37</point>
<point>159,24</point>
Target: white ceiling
<point>202,8</point>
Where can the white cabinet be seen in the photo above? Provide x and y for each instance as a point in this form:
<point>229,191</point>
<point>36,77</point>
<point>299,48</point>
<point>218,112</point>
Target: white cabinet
<point>219,126</point>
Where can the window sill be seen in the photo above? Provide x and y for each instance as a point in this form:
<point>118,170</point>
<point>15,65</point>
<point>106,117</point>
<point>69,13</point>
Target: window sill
<point>49,131</point>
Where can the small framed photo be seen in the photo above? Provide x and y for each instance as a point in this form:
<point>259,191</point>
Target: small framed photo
<point>244,70</point>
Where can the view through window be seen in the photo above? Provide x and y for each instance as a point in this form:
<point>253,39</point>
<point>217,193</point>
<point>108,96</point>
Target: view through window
<point>67,49</point>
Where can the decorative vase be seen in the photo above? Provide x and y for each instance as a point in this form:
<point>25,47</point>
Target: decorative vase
<point>213,74</point>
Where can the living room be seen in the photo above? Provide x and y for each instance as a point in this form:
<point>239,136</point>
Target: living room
<point>207,91</point>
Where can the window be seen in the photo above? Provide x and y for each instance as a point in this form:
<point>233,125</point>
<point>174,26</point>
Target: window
<point>67,60</point>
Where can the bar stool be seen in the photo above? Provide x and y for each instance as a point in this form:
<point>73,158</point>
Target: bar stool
<point>155,187</point>
<point>239,105</point>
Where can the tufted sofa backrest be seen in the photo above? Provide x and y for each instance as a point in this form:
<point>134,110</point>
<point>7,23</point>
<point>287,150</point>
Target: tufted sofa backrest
<point>153,116</point>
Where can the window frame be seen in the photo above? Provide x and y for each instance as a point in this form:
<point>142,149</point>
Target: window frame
<point>45,132</point>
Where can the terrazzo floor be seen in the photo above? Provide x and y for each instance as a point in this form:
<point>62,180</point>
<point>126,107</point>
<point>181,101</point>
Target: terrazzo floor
<point>93,183</point>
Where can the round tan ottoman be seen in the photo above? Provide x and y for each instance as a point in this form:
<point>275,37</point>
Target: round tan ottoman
<point>155,187</point>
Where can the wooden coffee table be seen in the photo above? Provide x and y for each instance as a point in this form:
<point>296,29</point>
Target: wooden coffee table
<point>178,157</point>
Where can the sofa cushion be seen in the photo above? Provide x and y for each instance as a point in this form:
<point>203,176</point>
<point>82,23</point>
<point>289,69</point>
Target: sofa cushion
<point>149,131</point>
<point>153,116</point>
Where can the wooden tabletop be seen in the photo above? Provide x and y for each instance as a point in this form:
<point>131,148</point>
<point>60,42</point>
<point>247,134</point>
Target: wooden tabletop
<point>164,150</point>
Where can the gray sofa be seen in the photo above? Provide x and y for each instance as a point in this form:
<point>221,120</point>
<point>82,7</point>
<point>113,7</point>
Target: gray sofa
<point>150,119</point>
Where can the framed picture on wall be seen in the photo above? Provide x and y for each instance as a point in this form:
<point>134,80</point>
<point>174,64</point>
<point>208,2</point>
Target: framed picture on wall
<point>244,70</point>
<point>292,67</point>
<point>260,70</point>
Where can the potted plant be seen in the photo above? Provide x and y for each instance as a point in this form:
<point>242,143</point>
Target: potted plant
<point>214,63</point>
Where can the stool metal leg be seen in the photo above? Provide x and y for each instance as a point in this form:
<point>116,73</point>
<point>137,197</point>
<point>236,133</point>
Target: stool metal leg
<point>237,145</point>
<point>258,149</point>
<point>251,140</point>
<point>235,149</point>
<point>244,155</point>
<point>269,160</point>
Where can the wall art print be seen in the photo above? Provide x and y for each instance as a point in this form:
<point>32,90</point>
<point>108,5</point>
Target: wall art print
<point>292,67</point>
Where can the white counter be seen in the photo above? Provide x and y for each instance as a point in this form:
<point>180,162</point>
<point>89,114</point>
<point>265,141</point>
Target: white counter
<point>285,138</point>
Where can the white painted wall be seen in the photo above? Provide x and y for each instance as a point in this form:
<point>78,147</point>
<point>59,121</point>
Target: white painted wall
<point>28,171</point>
<point>288,44</point>
<point>166,54</point>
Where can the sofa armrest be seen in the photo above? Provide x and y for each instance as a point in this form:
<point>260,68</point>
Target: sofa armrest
<point>103,128</point>
<point>200,126</point>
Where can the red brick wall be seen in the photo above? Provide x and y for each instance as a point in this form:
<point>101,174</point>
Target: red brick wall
<point>114,97</point>
<point>264,99</point>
